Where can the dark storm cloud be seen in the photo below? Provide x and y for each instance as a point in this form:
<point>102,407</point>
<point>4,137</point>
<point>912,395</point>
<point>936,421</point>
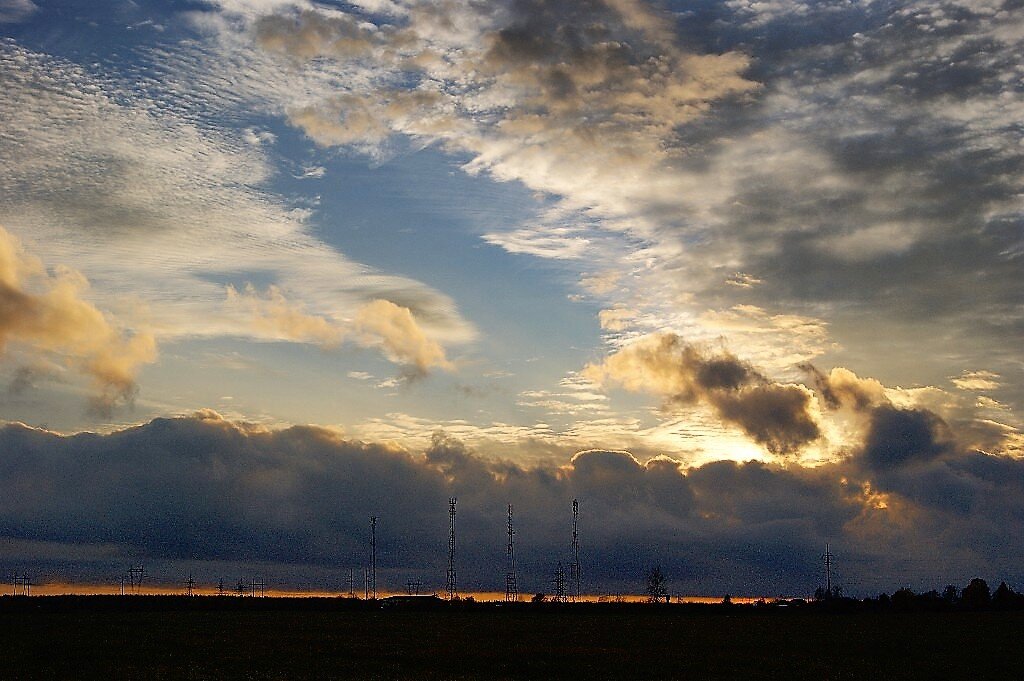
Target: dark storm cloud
<point>205,489</point>
<point>773,414</point>
<point>896,437</point>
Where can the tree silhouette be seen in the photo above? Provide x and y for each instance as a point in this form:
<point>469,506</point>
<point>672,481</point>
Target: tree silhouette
<point>1004,597</point>
<point>976,594</point>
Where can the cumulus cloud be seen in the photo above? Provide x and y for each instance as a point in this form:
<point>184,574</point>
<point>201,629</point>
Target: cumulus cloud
<point>896,437</point>
<point>843,388</point>
<point>379,323</point>
<point>778,416</point>
<point>207,491</point>
<point>48,313</point>
<point>398,333</point>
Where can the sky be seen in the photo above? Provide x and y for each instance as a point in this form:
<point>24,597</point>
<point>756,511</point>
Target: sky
<point>744,278</point>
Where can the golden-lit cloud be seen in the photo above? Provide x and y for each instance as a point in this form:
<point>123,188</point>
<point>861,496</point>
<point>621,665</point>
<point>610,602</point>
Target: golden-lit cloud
<point>46,312</point>
<point>379,323</point>
<point>779,416</point>
<point>274,313</point>
<point>398,333</point>
<point>977,380</point>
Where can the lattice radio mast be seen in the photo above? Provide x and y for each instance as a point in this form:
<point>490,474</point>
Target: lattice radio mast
<point>135,576</point>
<point>373,556</point>
<point>22,585</point>
<point>828,571</point>
<point>575,551</point>
<point>560,583</point>
<point>511,590</point>
<point>451,582</point>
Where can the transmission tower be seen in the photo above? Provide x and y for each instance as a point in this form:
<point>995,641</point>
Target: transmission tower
<point>451,583</point>
<point>258,587</point>
<point>351,584</point>
<point>190,585</point>
<point>373,556</point>
<point>220,587</point>
<point>135,576</point>
<point>559,583</point>
<point>413,586</point>
<point>575,551</point>
<point>511,590</point>
<point>22,585</point>
<point>827,557</point>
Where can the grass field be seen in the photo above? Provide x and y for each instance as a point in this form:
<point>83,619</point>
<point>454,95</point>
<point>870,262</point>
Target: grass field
<point>150,639</point>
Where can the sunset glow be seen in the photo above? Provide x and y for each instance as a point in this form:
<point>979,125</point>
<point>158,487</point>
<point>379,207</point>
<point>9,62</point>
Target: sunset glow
<point>742,278</point>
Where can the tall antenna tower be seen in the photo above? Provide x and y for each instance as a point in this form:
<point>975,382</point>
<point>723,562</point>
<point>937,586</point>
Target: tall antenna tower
<point>22,585</point>
<point>351,584</point>
<point>135,576</point>
<point>511,590</point>
<point>560,583</point>
<point>451,583</point>
<point>828,571</point>
<point>373,556</point>
<point>575,551</point>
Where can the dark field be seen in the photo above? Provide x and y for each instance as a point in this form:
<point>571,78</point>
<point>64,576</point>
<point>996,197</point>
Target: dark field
<point>161,638</point>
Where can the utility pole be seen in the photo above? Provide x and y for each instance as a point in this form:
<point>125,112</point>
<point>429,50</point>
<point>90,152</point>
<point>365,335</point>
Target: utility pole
<point>351,584</point>
<point>451,583</point>
<point>511,589</point>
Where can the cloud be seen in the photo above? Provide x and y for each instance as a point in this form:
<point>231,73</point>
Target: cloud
<point>48,314</point>
<point>977,380</point>
<point>379,323</point>
<point>823,177</point>
<point>398,333</point>
<point>209,492</point>
<point>897,437</point>
<point>274,314</point>
<point>511,86</point>
<point>843,388</point>
<point>15,11</point>
<point>778,416</point>
<point>161,210</point>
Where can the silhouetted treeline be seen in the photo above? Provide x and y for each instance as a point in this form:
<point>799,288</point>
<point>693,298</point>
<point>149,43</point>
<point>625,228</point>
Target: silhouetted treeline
<point>975,596</point>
